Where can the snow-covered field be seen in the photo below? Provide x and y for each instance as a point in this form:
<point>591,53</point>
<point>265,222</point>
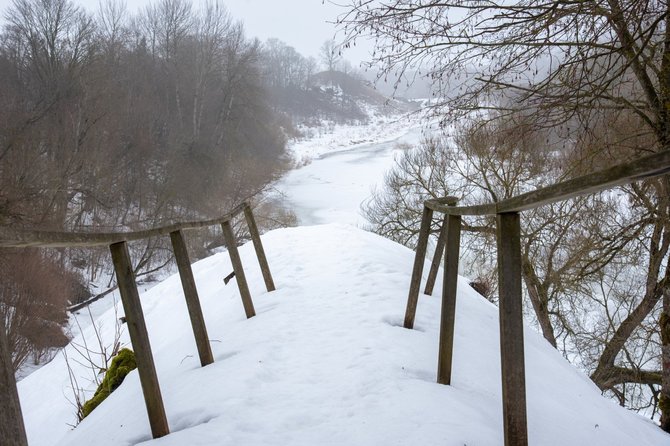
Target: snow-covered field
<point>326,362</point>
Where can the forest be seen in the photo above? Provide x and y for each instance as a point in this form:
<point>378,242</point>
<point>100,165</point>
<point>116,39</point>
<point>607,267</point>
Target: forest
<point>120,121</point>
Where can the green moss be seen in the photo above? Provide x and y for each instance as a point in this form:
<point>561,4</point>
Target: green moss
<point>122,364</point>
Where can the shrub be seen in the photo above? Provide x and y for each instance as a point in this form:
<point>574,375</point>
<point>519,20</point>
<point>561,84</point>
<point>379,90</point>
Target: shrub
<point>122,364</point>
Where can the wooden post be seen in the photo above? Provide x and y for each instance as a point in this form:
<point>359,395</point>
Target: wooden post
<point>191,296</point>
<point>449,288</point>
<point>237,268</point>
<point>415,283</point>
<point>12,429</point>
<point>139,339</point>
<point>258,246</point>
<point>437,257</point>
<point>511,330</point>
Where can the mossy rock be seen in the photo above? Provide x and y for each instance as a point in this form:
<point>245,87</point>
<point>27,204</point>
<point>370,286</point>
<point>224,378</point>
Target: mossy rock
<point>122,364</point>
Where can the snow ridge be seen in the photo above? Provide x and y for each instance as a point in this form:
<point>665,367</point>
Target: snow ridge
<point>325,361</point>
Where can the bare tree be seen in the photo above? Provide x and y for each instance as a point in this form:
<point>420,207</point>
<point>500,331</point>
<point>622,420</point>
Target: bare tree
<point>33,298</point>
<point>112,25</point>
<point>330,55</point>
<point>573,256</point>
<point>568,62</point>
<point>126,122</point>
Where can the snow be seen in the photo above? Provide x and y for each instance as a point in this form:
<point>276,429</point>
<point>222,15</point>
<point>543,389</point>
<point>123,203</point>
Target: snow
<point>325,361</point>
<point>330,137</point>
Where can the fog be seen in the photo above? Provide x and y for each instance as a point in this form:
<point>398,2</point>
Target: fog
<point>303,24</point>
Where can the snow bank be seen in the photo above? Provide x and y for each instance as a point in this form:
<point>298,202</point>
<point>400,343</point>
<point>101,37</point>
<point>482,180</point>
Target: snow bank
<point>329,137</point>
<point>326,362</point>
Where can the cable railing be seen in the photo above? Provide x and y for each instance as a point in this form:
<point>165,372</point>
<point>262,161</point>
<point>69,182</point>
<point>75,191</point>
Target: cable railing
<point>12,429</point>
<point>508,237</point>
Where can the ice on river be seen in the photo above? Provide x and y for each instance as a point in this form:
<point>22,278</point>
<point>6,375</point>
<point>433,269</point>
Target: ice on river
<point>340,170</point>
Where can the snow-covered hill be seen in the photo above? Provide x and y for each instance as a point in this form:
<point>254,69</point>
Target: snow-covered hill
<point>334,97</point>
<point>326,362</point>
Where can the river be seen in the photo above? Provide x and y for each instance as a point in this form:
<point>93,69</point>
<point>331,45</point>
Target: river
<point>332,188</point>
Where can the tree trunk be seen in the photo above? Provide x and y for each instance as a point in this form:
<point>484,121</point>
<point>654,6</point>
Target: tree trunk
<point>539,299</point>
<point>665,358</point>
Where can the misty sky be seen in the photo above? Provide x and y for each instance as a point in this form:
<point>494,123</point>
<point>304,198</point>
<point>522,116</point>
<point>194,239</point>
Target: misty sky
<point>303,24</point>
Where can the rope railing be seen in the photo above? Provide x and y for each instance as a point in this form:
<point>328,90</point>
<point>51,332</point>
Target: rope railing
<point>12,429</point>
<point>508,236</point>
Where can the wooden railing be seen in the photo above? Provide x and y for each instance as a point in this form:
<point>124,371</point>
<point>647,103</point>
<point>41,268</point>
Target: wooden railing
<point>508,237</point>
<point>12,430</point>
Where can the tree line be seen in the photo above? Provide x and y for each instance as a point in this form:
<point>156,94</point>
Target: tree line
<point>119,121</point>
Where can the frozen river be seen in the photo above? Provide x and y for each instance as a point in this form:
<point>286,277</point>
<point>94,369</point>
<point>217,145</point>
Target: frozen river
<point>333,186</point>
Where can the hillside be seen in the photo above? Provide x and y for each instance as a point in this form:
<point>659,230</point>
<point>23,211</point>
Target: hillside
<point>337,97</point>
<point>325,362</point>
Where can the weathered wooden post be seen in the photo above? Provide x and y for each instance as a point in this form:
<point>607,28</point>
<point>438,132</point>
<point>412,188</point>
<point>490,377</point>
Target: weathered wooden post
<point>437,258</point>
<point>139,339</point>
<point>449,289</point>
<point>439,247</point>
<point>191,296</point>
<point>511,330</point>
<point>237,268</point>
<point>258,246</point>
<point>417,270</point>
<point>12,429</point>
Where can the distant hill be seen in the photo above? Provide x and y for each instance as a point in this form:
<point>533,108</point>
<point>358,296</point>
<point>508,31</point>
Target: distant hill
<point>338,97</point>
<point>411,85</point>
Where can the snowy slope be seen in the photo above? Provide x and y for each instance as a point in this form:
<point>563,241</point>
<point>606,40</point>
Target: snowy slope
<point>325,362</point>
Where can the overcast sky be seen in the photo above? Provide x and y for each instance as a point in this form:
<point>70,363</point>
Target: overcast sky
<point>303,24</point>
